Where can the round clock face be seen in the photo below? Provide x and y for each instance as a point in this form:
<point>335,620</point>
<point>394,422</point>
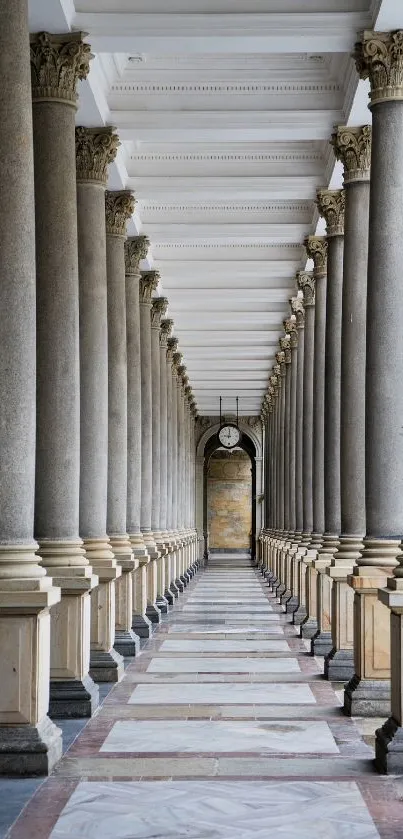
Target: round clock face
<point>229,436</point>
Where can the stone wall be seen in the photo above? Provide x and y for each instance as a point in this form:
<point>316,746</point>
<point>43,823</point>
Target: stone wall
<point>229,500</point>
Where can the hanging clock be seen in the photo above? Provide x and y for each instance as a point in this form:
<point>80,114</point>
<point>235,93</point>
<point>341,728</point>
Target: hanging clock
<point>229,435</point>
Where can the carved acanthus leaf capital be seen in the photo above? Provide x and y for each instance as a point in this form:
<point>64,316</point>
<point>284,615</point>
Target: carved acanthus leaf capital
<point>280,358</point>
<point>136,249</point>
<point>172,346</point>
<point>176,361</point>
<point>148,284</point>
<point>166,327</point>
<point>277,372</point>
<point>291,329</point>
<point>158,310</point>
<point>379,58</point>
<point>273,379</point>
<point>119,208</point>
<point>57,63</point>
<point>352,146</point>
<point>95,149</point>
<point>316,249</point>
<point>298,311</point>
<point>306,282</point>
<point>285,346</point>
<point>331,205</point>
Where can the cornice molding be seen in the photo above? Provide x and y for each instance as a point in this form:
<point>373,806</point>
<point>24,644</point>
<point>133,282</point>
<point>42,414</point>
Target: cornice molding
<point>224,88</point>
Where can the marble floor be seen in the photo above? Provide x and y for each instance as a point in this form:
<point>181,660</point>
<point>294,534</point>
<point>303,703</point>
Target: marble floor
<point>222,728</point>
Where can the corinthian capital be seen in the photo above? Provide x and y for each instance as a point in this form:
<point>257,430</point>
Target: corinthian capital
<point>291,329</point>
<point>158,310</point>
<point>331,204</point>
<point>379,58</point>
<point>316,248</point>
<point>273,379</point>
<point>148,284</point>
<point>285,346</point>
<point>297,309</point>
<point>176,361</point>
<point>119,207</point>
<point>166,327</point>
<point>136,249</point>
<point>306,282</point>
<point>95,149</point>
<point>172,346</point>
<point>352,146</point>
<point>57,63</point>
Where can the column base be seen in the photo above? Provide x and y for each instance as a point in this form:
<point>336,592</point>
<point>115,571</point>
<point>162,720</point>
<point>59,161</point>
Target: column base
<point>339,665</point>
<point>73,698</point>
<point>321,643</point>
<point>30,749</point>
<point>185,579</point>
<point>280,590</point>
<point>367,697</point>
<point>127,643</point>
<point>309,628</point>
<point>106,666</point>
<point>141,625</point>
<point>180,585</point>
<point>174,589</point>
<point>285,597</point>
<point>153,613</point>
<point>162,604</point>
<point>389,748</point>
<point>299,616</point>
<point>292,605</point>
<point>169,597</point>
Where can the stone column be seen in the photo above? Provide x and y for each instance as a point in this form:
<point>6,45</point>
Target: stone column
<point>290,326</point>
<point>95,149</point>
<point>171,585</point>
<point>353,147</point>
<point>148,284</point>
<point>136,249</point>
<point>299,615</point>
<point>57,62</point>
<point>379,57</point>
<point>306,282</point>
<point>176,357</point>
<point>331,206</point>
<point>286,350</point>
<point>181,383</point>
<point>29,742</point>
<point>119,207</point>
<point>166,454</point>
<point>158,309</point>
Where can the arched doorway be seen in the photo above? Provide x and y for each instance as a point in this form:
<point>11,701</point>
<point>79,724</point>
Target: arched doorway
<point>229,497</point>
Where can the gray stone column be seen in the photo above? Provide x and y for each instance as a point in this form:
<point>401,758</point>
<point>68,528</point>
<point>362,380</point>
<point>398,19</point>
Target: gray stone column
<point>290,327</point>
<point>353,147</point>
<point>95,149</point>
<point>181,383</point>
<point>331,206</point>
<point>148,284</point>
<point>379,56</point>
<point>166,453</point>
<point>299,615</point>
<point>62,60</point>
<point>172,344</point>
<point>306,282</point>
<point>136,249</point>
<point>119,207</point>
<point>29,742</point>
<point>158,309</point>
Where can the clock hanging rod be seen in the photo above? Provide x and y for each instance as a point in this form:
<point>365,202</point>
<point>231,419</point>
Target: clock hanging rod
<point>237,411</point>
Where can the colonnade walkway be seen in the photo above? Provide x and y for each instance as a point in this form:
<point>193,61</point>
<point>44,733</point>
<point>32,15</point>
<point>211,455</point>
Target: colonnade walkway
<point>223,728</point>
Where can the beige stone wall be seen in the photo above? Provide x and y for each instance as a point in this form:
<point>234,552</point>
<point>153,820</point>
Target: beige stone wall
<point>229,500</point>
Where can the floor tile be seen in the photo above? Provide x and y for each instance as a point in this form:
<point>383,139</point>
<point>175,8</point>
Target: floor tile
<point>223,665</point>
<point>208,646</point>
<point>232,693</point>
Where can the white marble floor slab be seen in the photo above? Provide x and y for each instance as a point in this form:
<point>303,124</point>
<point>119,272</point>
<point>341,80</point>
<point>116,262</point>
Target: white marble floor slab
<point>257,645</point>
<point>228,693</point>
<point>265,737</point>
<point>232,610</point>
<point>228,629</point>
<point>216,810</point>
<point>226,601</point>
<point>223,665</point>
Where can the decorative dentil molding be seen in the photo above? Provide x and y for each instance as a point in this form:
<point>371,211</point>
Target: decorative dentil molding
<point>119,207</point>
<point>352,146</point>
<point>316,249</point>
<point>223,88</point>
<point>57,63</point>
<point>297,309</point>
<point>95,149</point>
<point>148,284</point>
<point>166,327</point>
<point>331,205</point>
<point>379,58</point>
<point>136,249</point>
<point>158,310</point>
<point>306,282</point>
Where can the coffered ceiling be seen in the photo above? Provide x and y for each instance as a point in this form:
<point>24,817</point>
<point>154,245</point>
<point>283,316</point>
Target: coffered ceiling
<point>224,109</point>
